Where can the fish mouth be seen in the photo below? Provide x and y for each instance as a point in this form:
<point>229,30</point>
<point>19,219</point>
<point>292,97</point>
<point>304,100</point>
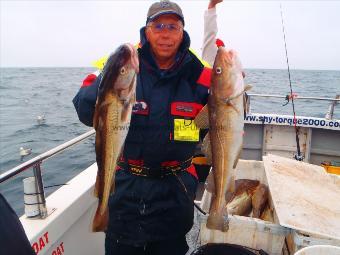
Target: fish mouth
<point>134,57</point>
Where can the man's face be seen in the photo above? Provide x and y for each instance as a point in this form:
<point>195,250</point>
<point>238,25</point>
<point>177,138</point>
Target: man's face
<point>165,35</point>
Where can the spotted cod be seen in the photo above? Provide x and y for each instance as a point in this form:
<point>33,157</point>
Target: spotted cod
<point>224,116</point>
<point>116,96</point>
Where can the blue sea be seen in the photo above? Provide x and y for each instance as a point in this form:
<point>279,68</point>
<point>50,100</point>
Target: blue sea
<point>27,93</point>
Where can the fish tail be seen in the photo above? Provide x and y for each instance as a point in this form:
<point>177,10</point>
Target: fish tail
<point>256,213</point>
<point>100,221</point>
<point>216,221</point>
<point>107,190</point>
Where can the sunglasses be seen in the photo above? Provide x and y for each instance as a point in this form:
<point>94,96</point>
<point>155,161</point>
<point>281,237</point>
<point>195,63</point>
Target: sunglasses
<point>159,27</point>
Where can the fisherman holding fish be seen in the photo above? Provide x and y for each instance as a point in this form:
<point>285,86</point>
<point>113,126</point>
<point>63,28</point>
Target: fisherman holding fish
<point>142,106</point>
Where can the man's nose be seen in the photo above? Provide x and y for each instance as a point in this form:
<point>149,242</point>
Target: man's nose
<point>165,32</point>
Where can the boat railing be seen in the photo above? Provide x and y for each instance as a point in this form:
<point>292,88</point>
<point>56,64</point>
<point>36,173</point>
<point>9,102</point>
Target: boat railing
<point>329,114</point>
<point>36,162</point>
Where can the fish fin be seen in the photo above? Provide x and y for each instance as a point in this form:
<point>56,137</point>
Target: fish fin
<point>246,104</point>
<point>202,118</point>
<point>210,183</point>
<point>133,99</point>
<point>216,221</point>
<point>96,116</point>
<point>206,148</point>
<point>113,181</point>
<point>246,99</point>
<point>126,112</point>
<point>96,187</point>
<point>99,178</point>
<point>230,193</point>
<point>112,189</point>
<point>238,157</point>
<point>233,106</point>
<point>100,221</point>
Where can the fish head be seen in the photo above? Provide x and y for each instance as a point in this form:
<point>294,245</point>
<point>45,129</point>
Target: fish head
<point>227,80</point>
<point>119,73</point>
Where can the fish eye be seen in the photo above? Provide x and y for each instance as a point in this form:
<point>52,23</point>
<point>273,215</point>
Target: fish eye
<point>122,70</point>
<point>218,70</point>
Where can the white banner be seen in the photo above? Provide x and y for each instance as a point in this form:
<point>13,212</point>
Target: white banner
<point>288,120</point>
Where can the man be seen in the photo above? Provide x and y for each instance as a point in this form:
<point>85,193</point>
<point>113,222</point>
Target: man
<point>151,209</point>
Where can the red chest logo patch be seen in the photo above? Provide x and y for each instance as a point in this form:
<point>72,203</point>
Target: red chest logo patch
<point>140,107</point>
<point>185,109</point>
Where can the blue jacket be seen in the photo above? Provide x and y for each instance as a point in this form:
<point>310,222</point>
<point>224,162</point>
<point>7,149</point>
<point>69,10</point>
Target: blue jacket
<point>163,97</point>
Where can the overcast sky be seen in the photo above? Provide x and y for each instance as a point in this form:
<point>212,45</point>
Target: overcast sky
<point>75,33</point>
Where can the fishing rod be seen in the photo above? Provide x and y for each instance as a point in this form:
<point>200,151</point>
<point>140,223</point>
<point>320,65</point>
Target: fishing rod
<point>298,156</point>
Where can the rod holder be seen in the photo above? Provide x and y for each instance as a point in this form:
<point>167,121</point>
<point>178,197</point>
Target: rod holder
<point>40,191</point>
<point>330,113</point>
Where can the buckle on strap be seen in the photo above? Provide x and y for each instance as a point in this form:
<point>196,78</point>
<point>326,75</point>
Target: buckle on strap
<point>158,172</point>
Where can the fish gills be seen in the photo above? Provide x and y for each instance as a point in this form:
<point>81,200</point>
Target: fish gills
<point>111,121</point>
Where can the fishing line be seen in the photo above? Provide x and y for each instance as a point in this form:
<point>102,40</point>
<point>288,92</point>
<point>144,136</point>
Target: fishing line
<point>298,157</point>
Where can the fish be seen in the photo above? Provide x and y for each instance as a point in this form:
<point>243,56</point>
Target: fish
<point>241,203</point>
<point>116,96</point>
<point>223,115</point>
<point>259,200</point>
<point>267,214</point>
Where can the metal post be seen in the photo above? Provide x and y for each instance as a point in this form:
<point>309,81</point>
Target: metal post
<point>40,191</point>
<point>248,109</point>
<point>329,114</point>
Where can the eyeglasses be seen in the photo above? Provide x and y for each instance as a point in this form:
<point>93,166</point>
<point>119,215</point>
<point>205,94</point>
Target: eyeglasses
<point>159,27</point>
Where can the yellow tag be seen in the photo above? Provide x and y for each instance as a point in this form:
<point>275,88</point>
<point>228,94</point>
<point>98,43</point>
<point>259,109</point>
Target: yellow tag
<point>100,63</point>
<point>186,130</point>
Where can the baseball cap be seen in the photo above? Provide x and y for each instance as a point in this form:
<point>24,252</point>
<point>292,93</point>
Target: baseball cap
<point>164,7</point>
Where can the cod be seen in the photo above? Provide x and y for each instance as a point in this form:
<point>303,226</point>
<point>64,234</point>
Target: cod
<point>116,96</point>
<point>224,116</point>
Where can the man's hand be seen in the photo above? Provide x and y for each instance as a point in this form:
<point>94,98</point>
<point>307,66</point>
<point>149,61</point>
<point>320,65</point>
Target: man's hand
<point>212,3</point>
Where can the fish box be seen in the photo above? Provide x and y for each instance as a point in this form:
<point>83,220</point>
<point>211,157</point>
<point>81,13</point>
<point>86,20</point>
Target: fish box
<point>306,201</point>
<point>246,231</point>
<point>298,239</point>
